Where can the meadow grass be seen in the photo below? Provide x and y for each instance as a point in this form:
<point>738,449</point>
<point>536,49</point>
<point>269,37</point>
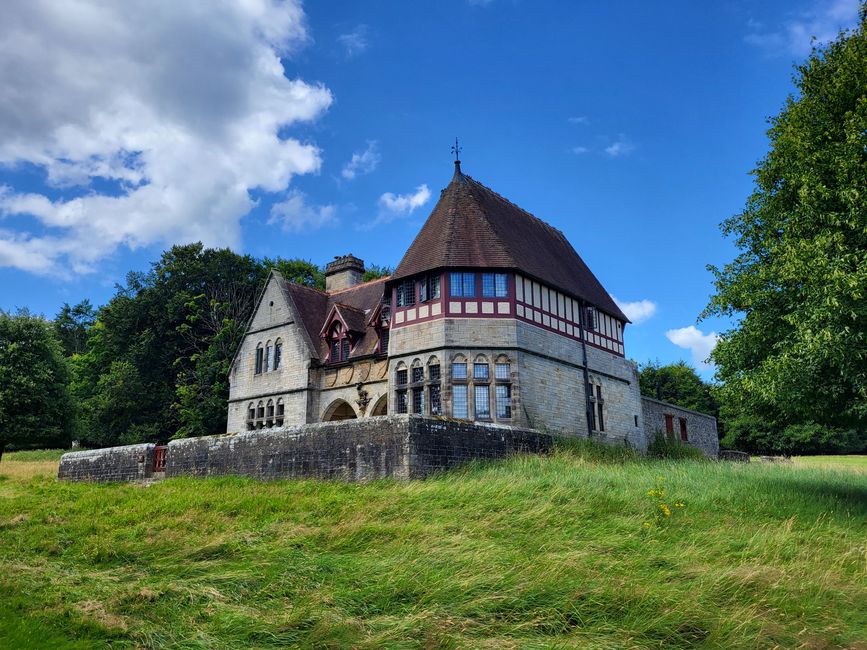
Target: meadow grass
<point>567,550</point>
<point>853,462</point>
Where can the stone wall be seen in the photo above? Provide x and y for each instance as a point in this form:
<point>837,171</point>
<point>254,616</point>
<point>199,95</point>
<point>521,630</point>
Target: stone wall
<point>130,463</point>
<point>275,319</point>
<point>700,428</point>
<point>354,450</point>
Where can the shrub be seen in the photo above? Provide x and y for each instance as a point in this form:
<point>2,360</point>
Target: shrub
<point>663,447</point>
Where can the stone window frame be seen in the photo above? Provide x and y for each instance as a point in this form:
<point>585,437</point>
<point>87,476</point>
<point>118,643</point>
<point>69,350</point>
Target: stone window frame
<point>598,410</point>
<point>251,416</point>
<point>280,414</point>
<point>464,382</point>
<point>434,386</point>
<point>416,387</point>
<point>269,413</point>
<point>401,385</point>
<point>260,351</point>
<point>266,364</point>
<point>278,354</point>
<point>503,382</point>
<point>260,414</point>
<point>481,381</point>
<point>684,432</point>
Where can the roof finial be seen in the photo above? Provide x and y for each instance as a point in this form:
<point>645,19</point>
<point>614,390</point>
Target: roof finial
<point>456,150</point>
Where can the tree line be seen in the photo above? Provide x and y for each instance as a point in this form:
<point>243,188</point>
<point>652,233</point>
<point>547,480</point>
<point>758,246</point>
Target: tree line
<point>150,365</point>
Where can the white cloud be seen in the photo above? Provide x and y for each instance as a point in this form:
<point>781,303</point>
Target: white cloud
<point>578,119</point>
<point>354,42</point>
<point>362,162</point>
<point>638,311</point>
<point>620,147</point>
<point>693,339</point>
<point>296,215</point>
<point>580,150</point>
<point>176,112</point>
<point>824,21</point>
<point>403,204</point>
<point>394,206</point>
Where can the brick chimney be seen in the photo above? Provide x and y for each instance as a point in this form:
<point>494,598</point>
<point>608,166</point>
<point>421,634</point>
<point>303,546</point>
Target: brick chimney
<point>343,272</point>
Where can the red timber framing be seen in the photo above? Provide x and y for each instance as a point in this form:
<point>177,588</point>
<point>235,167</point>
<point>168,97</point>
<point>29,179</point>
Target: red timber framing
<point>527,300</point>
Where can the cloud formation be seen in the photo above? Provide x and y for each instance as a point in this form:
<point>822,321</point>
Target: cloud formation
<point>156,125</point>
<point>620,147</point>
<point>638,311</point>
<point>395,206</point>
<point>295,214</point>
<point>693,339</point>
<point>578,119</point>
<point>362,162</point>
<point>824,21</point>
<point>579,150</point>
<point>355,42</point>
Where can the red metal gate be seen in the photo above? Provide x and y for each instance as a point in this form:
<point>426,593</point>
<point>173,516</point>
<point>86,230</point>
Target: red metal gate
<point>160,458</point>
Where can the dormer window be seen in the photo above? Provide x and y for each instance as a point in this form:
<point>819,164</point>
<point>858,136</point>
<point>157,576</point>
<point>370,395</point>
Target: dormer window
<point>339,345</point>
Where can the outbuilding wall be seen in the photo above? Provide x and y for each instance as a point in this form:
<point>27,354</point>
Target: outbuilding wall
<point>701,428</point>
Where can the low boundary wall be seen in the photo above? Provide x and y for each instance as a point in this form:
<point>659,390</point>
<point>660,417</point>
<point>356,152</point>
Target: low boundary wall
<point>401,447</point>
<point>130,463</point>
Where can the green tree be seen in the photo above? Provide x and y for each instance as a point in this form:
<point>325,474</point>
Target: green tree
<point>798,353</point>
<point>298,271</point>
<point>72,325</point>
<point>677,383</point>
<point>375,271</point>
<point>35,409</point>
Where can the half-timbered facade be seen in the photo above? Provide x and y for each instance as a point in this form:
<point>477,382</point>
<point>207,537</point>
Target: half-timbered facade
<point>491,316</point>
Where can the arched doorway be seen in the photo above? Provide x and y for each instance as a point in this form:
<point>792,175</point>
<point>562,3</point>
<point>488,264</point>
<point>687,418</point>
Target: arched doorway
<point>339,410</point>
<point>381,406</point>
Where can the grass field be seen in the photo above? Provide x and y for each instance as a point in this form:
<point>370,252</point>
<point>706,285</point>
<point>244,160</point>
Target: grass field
<point>563,551</point>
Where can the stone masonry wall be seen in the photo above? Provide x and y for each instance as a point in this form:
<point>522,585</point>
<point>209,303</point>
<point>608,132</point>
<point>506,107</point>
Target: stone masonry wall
<point>274,319</point>
<point>130,463</point>
<point>701,428</point>
<point>353,450</point>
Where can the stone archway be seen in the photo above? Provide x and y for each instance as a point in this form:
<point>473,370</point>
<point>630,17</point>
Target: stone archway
<point>380,407</point>
<point>339,410</point>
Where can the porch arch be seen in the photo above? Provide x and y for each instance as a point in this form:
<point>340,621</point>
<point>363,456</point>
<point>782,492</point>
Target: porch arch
<point>380,407</point>
<point>338,410</point>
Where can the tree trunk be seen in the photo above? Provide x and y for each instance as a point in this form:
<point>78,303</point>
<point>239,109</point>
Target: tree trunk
<point>2,447</point>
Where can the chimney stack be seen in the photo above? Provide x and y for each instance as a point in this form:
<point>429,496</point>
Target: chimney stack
<point>343,272</point>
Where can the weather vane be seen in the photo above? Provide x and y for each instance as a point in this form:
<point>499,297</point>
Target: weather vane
<point>456,150</point>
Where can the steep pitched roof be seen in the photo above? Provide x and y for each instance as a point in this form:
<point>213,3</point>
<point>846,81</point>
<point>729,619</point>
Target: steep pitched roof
<point>353,304</point>
<point>472,226</point>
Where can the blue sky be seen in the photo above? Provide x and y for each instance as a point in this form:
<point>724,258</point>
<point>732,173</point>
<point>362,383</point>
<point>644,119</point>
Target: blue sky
<point>313,130</point>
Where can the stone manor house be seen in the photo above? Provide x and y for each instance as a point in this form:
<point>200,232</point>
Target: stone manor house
<point>490,317</point>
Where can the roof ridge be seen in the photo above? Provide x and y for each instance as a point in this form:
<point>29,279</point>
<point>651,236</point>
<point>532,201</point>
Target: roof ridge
<point>343,305</point>
<point>304,286</point>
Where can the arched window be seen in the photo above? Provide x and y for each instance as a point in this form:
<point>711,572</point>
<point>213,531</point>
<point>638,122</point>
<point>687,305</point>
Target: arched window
<point>260,414</point>
<point>460,388</point>
<point>482,388</point>
<point>268,356</point>
<point>259,358</point>
<point>269,414</point>
<point>278,353</point>
<point>401,379</point>
<point>503,387</point>
<point>251,416</point>
<point>417,379</point>
<point>279,415</point>
<point>434,386</point>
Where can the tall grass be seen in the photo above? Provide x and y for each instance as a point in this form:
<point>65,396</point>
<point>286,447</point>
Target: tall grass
<point>529,552</point>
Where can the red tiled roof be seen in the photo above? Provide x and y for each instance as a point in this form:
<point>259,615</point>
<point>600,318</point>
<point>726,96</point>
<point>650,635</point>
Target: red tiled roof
<point>354,304</point>
<point>472,226</point>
